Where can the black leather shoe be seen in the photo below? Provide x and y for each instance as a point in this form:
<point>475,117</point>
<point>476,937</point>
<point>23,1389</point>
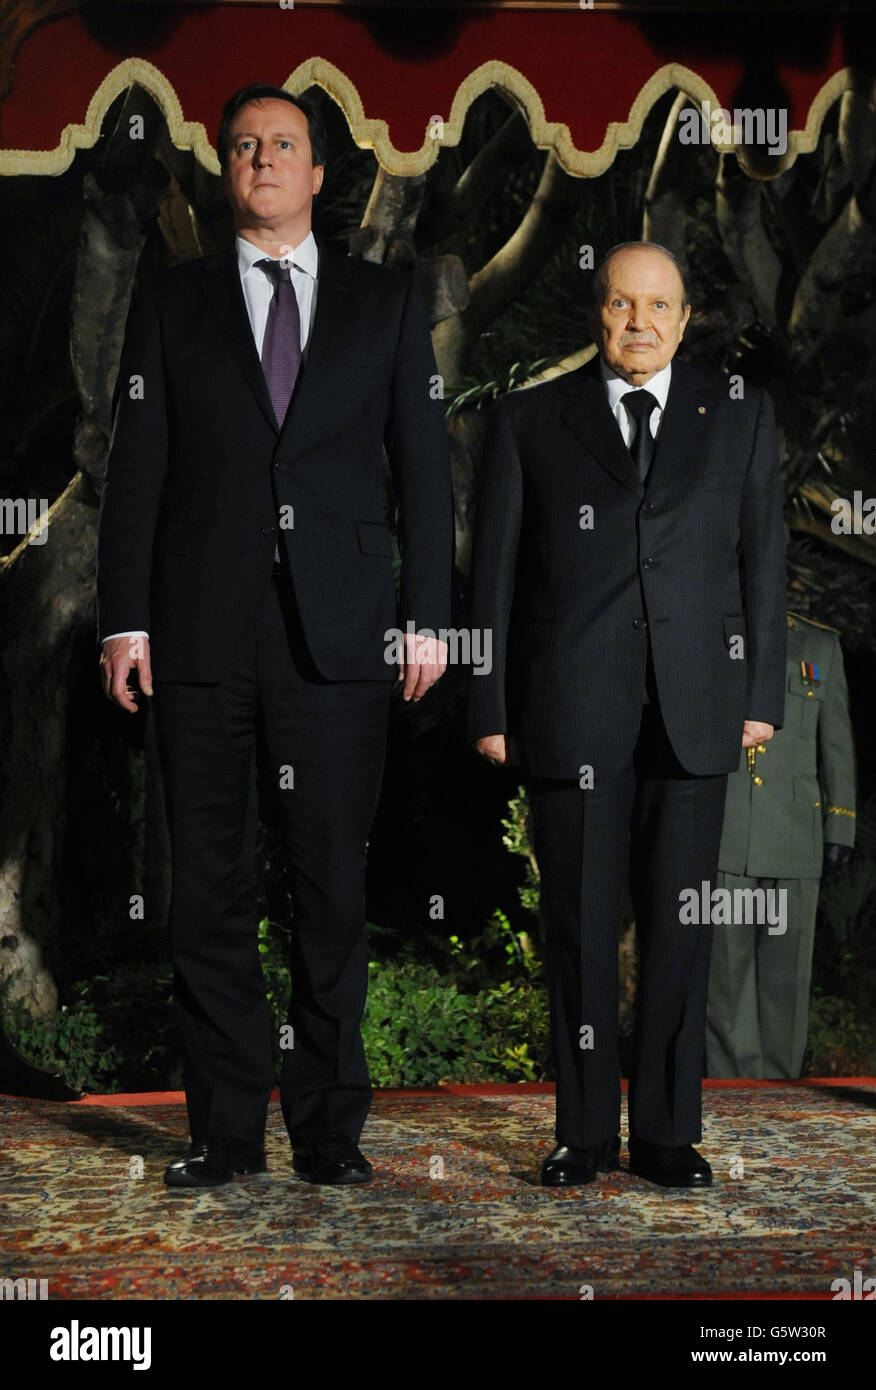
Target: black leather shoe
<point>570,1167</point>
<point>332,1159</point>
<point>678,1167</point>
<point>212,1163</point>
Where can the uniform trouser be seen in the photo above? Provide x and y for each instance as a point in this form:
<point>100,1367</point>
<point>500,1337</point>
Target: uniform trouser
<point>758,1001</point>
<point>326,744</point>
<point>665,824</point>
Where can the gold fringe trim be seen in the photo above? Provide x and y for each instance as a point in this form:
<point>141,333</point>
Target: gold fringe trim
<point>373,133</point>
<point>840,811</point>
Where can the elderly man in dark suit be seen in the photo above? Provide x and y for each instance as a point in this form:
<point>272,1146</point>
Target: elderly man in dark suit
<point>245,570</point>
<point>629,561</point>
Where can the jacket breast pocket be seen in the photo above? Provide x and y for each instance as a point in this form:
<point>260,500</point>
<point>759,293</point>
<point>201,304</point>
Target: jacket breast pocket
<point>804,704</point>
<point>734,637</point>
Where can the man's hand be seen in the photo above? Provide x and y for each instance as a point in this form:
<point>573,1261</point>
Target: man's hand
<point>121,655</point>
<point>498,749</point>
<point>753,733</point>
<point>425,662</point>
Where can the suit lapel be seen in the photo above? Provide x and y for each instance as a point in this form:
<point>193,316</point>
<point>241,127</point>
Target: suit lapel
<point>588,415</point>
<point>221,285</point>
<point>329,332</point>
<point>224,292</point>
<point>682,427</point>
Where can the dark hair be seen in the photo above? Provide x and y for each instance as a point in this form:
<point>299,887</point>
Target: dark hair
<point>597,284</point>
<point>260,91</point>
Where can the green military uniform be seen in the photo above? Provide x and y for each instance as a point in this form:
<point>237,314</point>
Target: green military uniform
<point>788,797</point>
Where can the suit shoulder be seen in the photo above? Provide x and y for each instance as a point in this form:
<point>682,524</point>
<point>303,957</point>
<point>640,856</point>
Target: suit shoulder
<point>719,382</point>
<point>368,273</point>
<point>169,280</point>
<point>711,379</point>
<point>533,397</point>
<point>191,269</point>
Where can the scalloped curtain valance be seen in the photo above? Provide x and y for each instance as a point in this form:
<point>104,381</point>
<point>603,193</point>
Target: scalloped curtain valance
<point>585,80</point>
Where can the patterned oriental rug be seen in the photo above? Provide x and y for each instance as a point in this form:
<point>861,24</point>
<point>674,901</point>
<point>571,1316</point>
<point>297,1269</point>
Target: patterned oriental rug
<point>454,1211</point>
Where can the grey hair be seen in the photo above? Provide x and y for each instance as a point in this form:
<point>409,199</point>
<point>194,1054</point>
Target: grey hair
<point>597,284</point>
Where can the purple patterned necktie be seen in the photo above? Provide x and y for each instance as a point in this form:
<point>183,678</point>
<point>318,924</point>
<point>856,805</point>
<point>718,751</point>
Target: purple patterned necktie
<point>281,349</point>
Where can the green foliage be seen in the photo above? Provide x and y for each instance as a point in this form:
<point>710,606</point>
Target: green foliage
<point>420,1029</point>
<point>273,953</point>
<point>476,392</point>
<point>74,1042</point>
<point>842,1039</point>
<point>477,1013</point>
<point>518,840</point>
<point>114,1032</point>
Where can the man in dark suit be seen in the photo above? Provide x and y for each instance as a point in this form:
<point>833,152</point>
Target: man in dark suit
<point>245,570</point>
<point>628,559</point>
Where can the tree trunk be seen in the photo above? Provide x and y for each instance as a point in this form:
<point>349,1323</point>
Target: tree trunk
<point>503,278</point>
<point>49,585</point>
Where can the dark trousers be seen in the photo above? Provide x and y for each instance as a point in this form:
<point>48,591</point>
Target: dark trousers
<point>665,825</point>
<point>326,743</point>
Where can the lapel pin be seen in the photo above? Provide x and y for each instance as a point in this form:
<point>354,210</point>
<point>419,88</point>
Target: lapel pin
<point>701,409</point>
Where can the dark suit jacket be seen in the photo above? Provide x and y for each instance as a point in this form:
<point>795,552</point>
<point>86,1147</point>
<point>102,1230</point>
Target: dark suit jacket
<point>197,470</point>
<point>697,552</point>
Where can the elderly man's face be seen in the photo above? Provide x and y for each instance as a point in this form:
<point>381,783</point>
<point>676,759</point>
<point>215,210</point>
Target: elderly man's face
<point>270,178</point>
<point>641,320</point>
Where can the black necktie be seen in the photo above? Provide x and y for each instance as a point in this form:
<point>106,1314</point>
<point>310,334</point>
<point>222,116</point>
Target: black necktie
<point>639,405</point>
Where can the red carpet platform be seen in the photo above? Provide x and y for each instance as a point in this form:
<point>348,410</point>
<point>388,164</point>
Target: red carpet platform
<point>454,1211</point>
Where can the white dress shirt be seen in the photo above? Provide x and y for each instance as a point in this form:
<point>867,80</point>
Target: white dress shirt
<point>258,291</point>
<point>616,388</point>
<point>258,288</point>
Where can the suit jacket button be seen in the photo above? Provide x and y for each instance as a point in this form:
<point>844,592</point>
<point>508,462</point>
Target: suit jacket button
<point>640,622</point>
<point>268,530</point>
<point>758,781</point>
<point>761,748</point>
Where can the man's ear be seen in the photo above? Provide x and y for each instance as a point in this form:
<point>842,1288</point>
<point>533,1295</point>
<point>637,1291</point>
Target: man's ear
<point>684,321</point>
<point>318,176</point>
